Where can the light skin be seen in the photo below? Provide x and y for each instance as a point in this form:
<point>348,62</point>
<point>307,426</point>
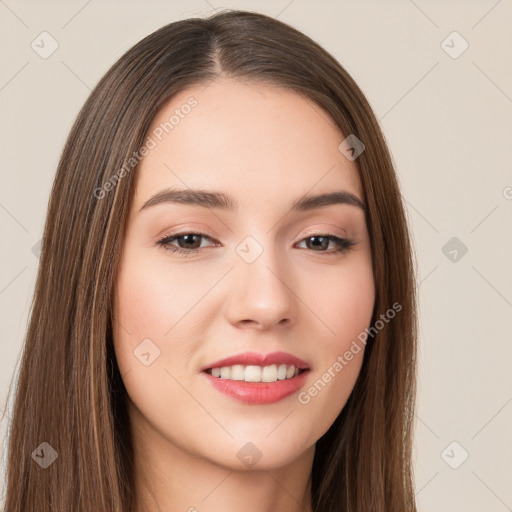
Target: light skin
<point>266,147</point>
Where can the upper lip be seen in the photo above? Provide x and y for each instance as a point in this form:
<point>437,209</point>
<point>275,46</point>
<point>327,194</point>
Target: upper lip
<point>254,358</point>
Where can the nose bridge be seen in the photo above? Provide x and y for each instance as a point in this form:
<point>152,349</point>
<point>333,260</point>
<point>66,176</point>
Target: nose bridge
<point>261,290</point>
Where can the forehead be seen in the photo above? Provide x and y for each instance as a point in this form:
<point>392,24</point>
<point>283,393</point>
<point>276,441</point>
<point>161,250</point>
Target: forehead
<point>250,140</point>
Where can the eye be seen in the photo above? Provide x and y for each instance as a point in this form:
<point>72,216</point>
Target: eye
<point>190,243</point>
<point>321,241</point>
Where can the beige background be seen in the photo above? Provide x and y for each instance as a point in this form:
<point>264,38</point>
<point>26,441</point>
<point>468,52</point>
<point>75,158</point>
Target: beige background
<point>448,122</point>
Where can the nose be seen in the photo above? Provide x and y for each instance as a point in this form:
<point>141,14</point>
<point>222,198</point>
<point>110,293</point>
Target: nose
<point>261,294</point>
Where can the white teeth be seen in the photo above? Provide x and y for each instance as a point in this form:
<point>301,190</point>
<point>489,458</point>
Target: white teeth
<point>281,372</point>
<point>252,373</point>
<point>237,372</point>
<point>269,373</point>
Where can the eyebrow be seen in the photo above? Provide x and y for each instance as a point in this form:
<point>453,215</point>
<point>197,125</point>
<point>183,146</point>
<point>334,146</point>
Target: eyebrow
<point>219,200</point>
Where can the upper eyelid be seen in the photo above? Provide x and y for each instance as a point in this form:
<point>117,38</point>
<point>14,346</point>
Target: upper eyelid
<point>324,233</point>
<point>190,229</point>
<point>183,233</point>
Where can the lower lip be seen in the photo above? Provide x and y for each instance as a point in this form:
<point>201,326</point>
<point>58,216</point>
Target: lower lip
<point>258,392</point>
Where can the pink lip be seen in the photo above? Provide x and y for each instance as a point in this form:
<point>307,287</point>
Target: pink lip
<point>258,392</point>
<point>254,358</point>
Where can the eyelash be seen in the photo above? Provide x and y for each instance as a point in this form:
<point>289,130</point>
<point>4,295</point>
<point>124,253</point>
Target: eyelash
<point>344,244</point>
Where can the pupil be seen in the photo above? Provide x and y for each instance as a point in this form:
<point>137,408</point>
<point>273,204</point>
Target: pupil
<point>189,239</point>
<point>318,238</point>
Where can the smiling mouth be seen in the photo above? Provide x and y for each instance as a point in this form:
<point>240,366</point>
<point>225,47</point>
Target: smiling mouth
<point>254,373</point>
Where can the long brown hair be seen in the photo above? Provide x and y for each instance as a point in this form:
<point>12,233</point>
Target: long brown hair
<point>70,393</point>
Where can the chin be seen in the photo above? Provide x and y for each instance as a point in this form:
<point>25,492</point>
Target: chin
<point>260,454</point>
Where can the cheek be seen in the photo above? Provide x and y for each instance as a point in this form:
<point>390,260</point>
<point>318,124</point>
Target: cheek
<point>346,305</point>
<point>156,309</point>
<point>343,302</point>
<point>151,301</point>
<point>150,315</point>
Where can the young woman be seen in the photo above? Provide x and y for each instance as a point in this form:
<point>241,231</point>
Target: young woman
<point>225,315</point>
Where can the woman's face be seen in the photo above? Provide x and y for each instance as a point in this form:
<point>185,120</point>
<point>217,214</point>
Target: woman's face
<point>253,275</point>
